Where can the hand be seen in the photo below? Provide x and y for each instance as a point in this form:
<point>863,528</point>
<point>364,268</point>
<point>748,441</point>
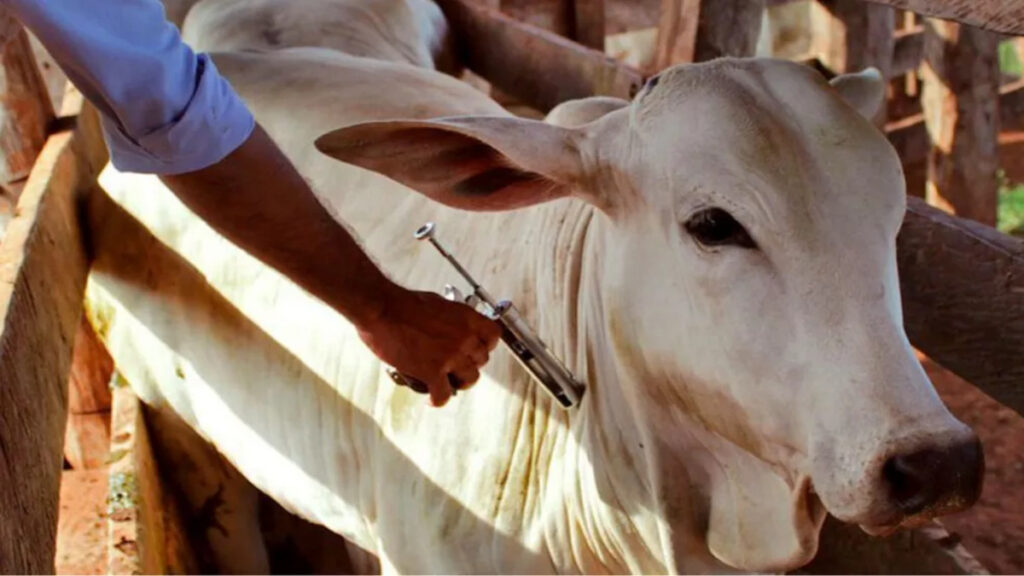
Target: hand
<point>426,337</point>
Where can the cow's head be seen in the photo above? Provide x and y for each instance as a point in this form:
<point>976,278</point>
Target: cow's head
<point>749,288</point>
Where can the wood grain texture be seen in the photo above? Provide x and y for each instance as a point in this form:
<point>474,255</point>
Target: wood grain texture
<point>535,66</point>
<point>701,30</point>
<point>908,51</point>
<point>1004,16</point>
<point>963,299</point>
<point>587,21</point>
<point>960,98</point>
<point>87,438</point>
<point>851,35</point>
<point>146,534</point>
<point>43,267</point>
<point>910,136</point>
<point>25,109</point>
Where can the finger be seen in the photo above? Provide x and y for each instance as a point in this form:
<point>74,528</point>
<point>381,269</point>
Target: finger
<point>479,355</point>
<point>440,391</point>
<point>466,375</point>
<point>488,331</point>
<point>456,384</point>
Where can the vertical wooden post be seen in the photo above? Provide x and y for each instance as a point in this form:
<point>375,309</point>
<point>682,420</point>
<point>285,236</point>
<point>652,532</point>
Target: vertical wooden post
<point>699,30</point>
<point>25,109</point>
<point>960,98</point>
<point>851,35</point>
<point>587,22</point>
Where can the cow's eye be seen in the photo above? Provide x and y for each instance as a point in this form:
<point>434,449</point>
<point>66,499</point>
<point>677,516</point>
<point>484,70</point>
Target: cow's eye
<point>716,227</point>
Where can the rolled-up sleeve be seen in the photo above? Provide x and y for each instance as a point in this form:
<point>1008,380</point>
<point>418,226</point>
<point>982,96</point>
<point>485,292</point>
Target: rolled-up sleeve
<point>165,109</point>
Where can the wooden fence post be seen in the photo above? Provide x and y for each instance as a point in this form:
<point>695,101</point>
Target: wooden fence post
<point>25,109</point>
<point>587,22</point>
<point>699,30</point>
<point>960,98</point>
<point>850,35</point>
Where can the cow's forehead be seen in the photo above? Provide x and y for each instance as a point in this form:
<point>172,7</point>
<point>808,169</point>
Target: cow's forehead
<point>768,127</point>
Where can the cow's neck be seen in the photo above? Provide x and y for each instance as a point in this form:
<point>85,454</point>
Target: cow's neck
<point>601,481</point>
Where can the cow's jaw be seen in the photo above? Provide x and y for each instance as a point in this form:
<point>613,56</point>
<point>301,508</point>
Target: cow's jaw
<point>764,382</point>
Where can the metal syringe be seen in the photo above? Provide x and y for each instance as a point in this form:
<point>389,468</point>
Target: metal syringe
<point>518,336</point>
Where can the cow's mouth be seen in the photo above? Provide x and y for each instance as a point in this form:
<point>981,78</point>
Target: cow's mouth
<point>812,503</point>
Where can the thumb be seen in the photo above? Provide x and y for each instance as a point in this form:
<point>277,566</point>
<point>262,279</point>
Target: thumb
<point>440,391</point>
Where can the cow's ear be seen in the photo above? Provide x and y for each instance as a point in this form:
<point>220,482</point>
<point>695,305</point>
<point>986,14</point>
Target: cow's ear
<point>864,91</point>
<point>475,163</point>
<point>572,113</point>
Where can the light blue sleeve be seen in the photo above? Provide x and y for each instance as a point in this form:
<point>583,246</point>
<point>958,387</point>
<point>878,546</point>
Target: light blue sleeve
<point>166,110</point>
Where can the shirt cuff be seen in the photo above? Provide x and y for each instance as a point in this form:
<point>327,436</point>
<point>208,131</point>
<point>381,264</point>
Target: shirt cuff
<point>214,123</point>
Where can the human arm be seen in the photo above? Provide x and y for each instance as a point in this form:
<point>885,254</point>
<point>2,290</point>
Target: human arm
<point>166,110</point>
<point>255,198</point>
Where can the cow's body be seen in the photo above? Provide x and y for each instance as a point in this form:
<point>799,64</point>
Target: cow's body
<point>501,480</point>
<point>485,491</point>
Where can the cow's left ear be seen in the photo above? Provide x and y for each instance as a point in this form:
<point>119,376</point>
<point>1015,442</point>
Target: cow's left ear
<point>478,163</point>
<point>865,91</point>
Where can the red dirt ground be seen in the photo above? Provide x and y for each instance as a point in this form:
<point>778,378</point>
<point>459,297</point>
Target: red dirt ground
<point>82,523</point>
<point>994,529</point>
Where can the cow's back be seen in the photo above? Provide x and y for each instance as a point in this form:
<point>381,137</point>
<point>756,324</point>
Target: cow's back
<point>274,378</point>
<point>409,31</point>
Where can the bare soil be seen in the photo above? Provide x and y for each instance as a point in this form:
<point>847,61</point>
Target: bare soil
<point>993,530</point>
<point>82,522</point>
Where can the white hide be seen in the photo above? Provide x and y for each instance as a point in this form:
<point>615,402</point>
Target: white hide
<point>722,383</point>
<point>410,31</point>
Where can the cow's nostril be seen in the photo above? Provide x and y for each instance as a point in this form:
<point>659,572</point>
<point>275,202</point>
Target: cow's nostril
<point>945,478</point>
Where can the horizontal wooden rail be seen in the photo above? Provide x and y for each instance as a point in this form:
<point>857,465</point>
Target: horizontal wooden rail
<point>963,299</point>
<point>532,64</point>
<point>43,266</point>
<point>963,283</point>
<point>910,136</point>
<point>1004,16</point>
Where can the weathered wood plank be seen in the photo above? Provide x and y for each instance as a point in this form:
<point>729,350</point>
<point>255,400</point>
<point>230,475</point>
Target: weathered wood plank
<point>1003,16</point>
<point>963,299</point>
<point>851,35</point>
<point>146,534</point>
<point>587,20</point>
<point>87,439</point>
<point>550,15</point>
<point>700,30</point>
<point>908,51</point>
<point>535,66</point>
<point>960,98</point>
<point>910,136</point>
<point>25,109</point>
<point>43,267</point>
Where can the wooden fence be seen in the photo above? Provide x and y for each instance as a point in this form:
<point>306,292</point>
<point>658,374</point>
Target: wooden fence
<point>963,282</point>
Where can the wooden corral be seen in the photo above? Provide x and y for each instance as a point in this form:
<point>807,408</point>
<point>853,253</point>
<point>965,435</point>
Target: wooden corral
<point>962,281</point>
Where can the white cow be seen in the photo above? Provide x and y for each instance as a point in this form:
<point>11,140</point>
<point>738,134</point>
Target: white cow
<point>715,259</point>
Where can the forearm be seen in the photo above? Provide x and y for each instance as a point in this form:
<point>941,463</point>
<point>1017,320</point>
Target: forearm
<point>256,199</point>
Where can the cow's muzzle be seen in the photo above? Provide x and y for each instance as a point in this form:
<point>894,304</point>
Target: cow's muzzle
<point>936,480</point>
